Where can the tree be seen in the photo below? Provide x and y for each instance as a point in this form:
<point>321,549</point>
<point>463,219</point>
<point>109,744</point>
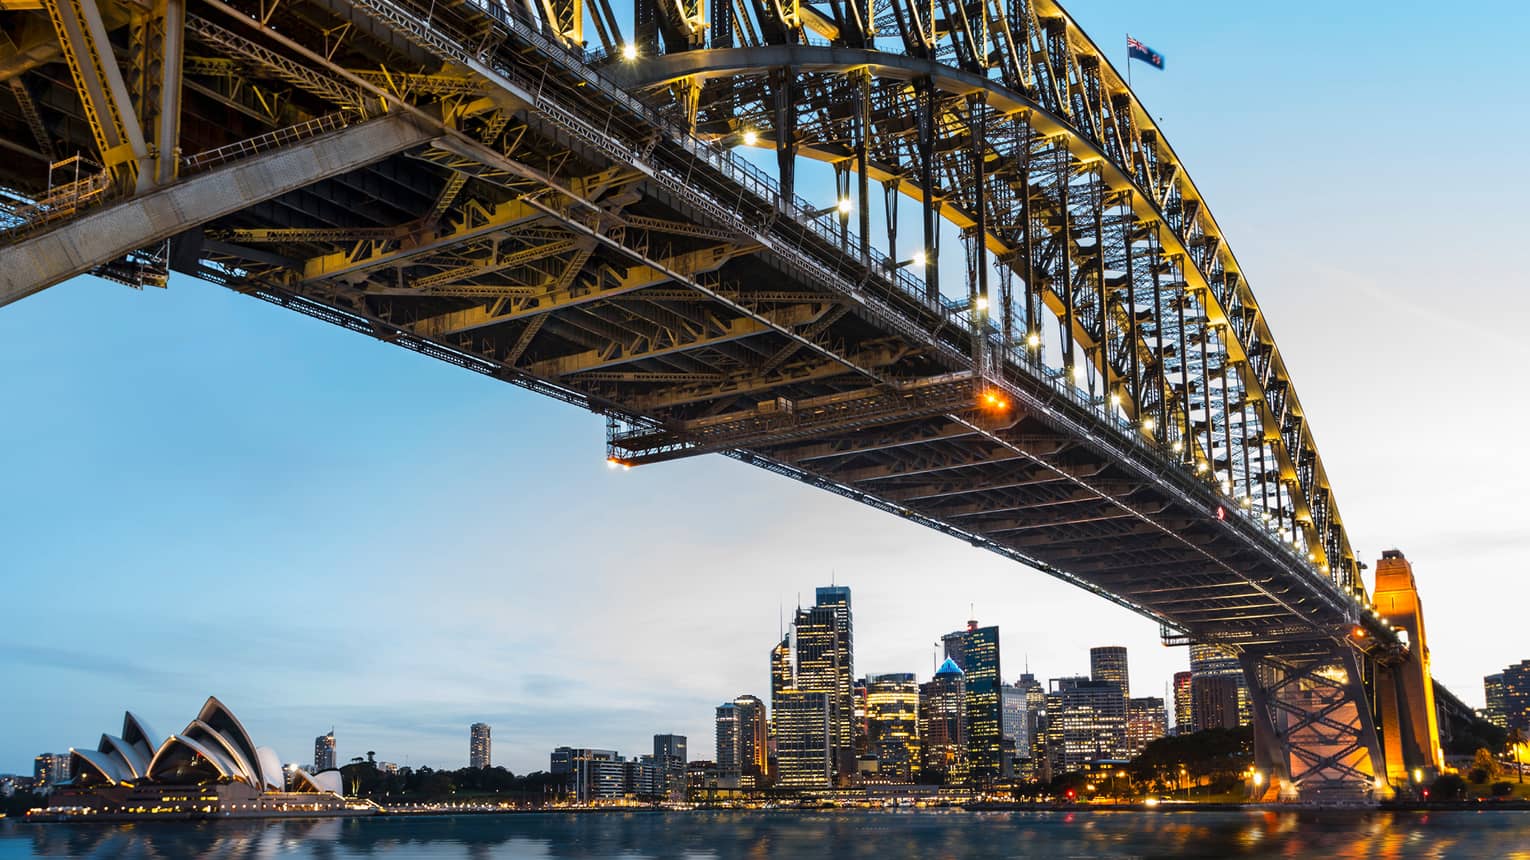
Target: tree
<point>1485,762</point>
<point>1448,786</point>
<point>1515,740</point>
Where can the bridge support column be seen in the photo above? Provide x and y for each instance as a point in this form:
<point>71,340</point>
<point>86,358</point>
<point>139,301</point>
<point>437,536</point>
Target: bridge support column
<point>1314,734</point>
<point>1410,726</point>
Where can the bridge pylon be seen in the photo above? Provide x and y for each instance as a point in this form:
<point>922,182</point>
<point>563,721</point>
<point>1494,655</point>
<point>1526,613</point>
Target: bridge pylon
<point>1404,691</point>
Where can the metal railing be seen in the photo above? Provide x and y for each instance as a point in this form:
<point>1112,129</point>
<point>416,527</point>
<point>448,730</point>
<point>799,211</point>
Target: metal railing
<point>60,202</point>
<point>241,149</point>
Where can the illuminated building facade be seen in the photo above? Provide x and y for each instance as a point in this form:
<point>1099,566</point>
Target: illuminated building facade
<point>943,726</point>
<point>976,652</point>
<point>1516,696</point>
<point>753,739</point>
<point>211,768</point>
<point>480,751</point>
<point>1146,721</point>
<point>1210,661</point>
<point>1184,719</point>
<point>50,768</point>
<point>1086,722</point>
<point>804,740</point>
<point>824,640</point>
<point>892,726</point>
<point>1108,663</point>
<point>590,774</point>
<point>1497,712</point>
<point>324,752</point>
<point>729,759</point>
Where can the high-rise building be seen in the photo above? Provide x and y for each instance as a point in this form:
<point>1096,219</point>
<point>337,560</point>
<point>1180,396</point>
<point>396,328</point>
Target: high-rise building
<point>1516,696</point>
<point>892,726</point>
<point>1496,712</point>
<point>753,737</point>
<point>324,752</point>
<point>50,768</point>
<point>1184,719</point>
<point>729,762</point>
<point>644,779</point>
<point>1108,663</point>
<point>804,733</point>
<point>1086,722</point>
<point>670,756</point>
<point>1146,721</point>
<point>591,774</point>
<point>943,726</point>
<point>1209,660</point>
<point>975,651</point>
<point>1214,702</point>
<point>1023,715</point>
<point>1012,715</point>
<point>479,750</point>
<point>824,641</point>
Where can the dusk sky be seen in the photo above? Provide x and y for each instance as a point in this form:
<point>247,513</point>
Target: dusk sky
<point>207,495</point>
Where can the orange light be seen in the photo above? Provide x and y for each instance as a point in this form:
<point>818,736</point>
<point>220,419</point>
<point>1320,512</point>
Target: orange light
<point>1359,632</point>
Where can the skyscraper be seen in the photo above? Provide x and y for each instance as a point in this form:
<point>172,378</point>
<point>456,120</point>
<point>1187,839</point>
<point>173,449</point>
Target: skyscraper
<point>892,725</point>
<point>1516,696</point>
<point>1214,702</point>
<point>1108,663</point>
<point>943,726</point>
<point>324,752</point>
<point>1146,721</point>
<point>976,652</point>
<point>729,763</point>
<point>1184,719</point>
<point>753,737</point>
<point>669,756</point>
<point>817,657</point>
<point>479,751</point>
<point>1209,660</point>
<point>1492,687</point>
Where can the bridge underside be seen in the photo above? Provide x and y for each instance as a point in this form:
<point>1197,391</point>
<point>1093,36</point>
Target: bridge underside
<point>1099,398</point>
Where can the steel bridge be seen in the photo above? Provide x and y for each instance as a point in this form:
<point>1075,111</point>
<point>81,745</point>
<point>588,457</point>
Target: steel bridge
<point>1069,368</point>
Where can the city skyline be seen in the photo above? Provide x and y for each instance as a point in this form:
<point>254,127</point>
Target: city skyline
<point>191,449</point>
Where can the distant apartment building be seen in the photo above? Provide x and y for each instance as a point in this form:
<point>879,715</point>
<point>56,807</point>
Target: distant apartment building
<point>1496,712</point>
<point>480,750</point>
<point>1146,721</point>
<point>50,768</point>
<point>670,756</point>
<point>1184,714</point>
<point>1516,696</point>
<point>1214,702</point>
<point>324,752</point>
<point>1108,663</point>
<point>590,774</point>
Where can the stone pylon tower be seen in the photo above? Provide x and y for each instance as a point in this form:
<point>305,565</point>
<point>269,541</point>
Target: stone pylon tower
<point>1405,692</point>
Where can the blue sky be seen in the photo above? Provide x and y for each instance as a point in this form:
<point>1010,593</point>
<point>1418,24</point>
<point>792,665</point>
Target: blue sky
<point>208,495</point>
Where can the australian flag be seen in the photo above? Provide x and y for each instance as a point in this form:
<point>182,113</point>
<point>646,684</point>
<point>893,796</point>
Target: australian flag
<point>1135,50</point>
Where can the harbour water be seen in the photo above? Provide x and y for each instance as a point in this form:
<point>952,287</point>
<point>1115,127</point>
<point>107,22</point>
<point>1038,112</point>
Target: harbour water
<point>725,835</point>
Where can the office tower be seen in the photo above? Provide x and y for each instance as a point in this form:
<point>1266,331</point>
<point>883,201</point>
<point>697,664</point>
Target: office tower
<point>590,774</point>
<point>1146,721</point>
<point>975,651</point>
<point>1086,722</point>
<point>50,768</point>
<point>1209,660</point>
<point>670,755</point>
<point>1012,715</point>
<point>1516,696</point>
<point>862,739</point>
<point>1184,721</point>
<point>729,763</point>
<point>1028,738</point>
<point>753,737</point>
<point>324,752</point>
<point>1497,714</point>
<point>824,640</point>
<point>804,731</point>
<point>1108,663</point>
<point>478,746</point>
<point>892,725</point>
<point>644,779</point>
<point>1214,702</point>
<point>943,726</point>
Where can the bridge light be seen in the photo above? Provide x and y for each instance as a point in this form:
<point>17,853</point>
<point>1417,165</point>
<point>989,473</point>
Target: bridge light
<point>1033,340</point>
<point>1179,446</point>
<point>1200,466</point>
<point>1359,632</point>
<point>1221,512</point>
<point>919,258</point>
<point>1080,372</point>
<point>1115,398</point>
<point>982,303</point>
<point>1148,424</point>
<point>751,137</point>
<point>845,206</point>
<point>1247,502</point>
<point>629,52</point>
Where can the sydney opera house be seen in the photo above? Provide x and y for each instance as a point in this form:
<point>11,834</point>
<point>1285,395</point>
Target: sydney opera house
<point>210,769</point>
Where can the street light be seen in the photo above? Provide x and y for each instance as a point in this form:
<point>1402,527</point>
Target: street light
<point>629,52</point>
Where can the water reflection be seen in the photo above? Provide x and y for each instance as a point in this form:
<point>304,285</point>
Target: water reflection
<point>723,836</point>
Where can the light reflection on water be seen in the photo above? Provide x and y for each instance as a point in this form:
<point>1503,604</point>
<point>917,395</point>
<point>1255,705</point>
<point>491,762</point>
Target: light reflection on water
<point>1157,835</point>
